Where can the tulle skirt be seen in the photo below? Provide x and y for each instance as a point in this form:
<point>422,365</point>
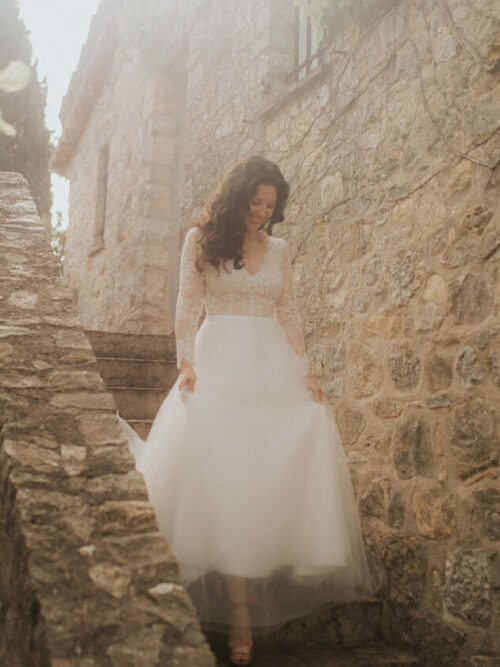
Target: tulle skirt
<point>250,483</point>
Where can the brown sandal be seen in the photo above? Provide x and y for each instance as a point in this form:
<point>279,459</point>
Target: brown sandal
<point>240,654</point>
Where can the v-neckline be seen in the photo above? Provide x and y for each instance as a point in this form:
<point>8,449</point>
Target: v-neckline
<point>252,275</point>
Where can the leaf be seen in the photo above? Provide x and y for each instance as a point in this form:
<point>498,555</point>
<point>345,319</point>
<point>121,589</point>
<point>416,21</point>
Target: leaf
<point>6,128</point>
<point>15,76</point>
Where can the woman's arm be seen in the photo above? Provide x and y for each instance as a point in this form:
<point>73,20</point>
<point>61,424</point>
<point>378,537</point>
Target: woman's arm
<point>189,301</point>
<point>287,310</point>
<point>288,315</point>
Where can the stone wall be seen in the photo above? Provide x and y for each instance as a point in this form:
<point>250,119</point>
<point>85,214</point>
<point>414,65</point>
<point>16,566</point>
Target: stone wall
<point>85,576</point>
<point>120,97</point>
<point>392,151</point>
<point>141,90</point>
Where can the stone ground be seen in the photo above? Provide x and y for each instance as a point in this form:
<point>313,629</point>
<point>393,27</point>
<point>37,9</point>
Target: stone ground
<point>318,656</point>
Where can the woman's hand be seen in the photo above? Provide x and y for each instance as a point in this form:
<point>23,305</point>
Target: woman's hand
<point>318,393</point>
<point>187,376</point>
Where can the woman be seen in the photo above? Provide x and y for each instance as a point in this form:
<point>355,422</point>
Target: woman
<point>244,464</point>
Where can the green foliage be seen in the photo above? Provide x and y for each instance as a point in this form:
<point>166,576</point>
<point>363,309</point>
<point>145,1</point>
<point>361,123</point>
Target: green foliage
<point>13,78</point>
<point>57,233</point>
<point>26,146</point>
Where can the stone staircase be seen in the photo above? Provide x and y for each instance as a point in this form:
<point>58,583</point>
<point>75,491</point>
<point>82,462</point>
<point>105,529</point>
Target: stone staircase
<point>139,370</point>
<point>342,635</point>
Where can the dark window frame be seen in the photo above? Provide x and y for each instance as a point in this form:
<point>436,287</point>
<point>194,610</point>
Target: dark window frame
<point>101,197</point>
<point>313,59</point>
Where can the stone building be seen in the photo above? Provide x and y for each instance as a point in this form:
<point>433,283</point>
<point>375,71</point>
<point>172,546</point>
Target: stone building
<point>390,139</point>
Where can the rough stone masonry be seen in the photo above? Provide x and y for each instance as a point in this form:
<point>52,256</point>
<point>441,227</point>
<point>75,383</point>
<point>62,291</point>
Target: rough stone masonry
<point>392,149</point>
<point>86,579</point>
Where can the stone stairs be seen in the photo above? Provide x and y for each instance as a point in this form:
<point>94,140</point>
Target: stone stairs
<point>325,656</point>
<point>139,370</point>
<point>341,635</point>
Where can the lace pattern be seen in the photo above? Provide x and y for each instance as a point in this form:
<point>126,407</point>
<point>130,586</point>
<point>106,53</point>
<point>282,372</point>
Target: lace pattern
<point>268,293</point>
<point>287,310</point>
<point>189,300</point>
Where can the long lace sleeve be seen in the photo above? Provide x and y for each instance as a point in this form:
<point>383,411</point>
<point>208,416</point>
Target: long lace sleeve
<point>189,300</point>
<point>287,311</point>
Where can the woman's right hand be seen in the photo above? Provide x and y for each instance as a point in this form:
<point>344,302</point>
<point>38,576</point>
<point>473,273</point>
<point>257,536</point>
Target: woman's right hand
<point>187,376</point>
<point>318,393</point>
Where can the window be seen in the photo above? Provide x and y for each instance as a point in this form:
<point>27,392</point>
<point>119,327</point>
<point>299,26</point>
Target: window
<point>101,196</point>
<point>309,49</point>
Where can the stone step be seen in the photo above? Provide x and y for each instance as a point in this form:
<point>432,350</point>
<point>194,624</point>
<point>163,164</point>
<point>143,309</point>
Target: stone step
<point>141,426</point>
<point>138,402</point>
<point>369,655</point>
<point>340,635</point>
<point>340,624</point>
<point>132,346</point>
<point>122,372</point>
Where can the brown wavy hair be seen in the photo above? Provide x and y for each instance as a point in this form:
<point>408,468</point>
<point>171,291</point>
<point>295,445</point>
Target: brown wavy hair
<point>222,225</point>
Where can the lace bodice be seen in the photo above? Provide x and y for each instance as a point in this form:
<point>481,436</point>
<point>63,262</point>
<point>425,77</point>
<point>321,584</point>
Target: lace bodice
<point>268,292</point>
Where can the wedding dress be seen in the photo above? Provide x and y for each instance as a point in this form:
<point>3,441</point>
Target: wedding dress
<point>247,474</point>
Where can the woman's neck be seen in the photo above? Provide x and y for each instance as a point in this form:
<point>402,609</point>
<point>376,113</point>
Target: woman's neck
<point>254,236</point>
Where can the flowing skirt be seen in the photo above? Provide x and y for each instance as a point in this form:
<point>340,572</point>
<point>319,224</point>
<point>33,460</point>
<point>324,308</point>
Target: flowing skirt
<point>250,483</point>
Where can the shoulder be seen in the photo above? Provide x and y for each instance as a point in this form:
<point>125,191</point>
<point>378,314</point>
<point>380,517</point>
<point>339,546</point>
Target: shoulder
<point>190,246</point>
<point>280,252</point>
<point>281,245</point>
<point>278,242</point>
<point>191,238</point>
<point>193,233</point>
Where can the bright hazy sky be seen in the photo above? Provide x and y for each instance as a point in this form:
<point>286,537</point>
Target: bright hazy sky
<point>58,30</point>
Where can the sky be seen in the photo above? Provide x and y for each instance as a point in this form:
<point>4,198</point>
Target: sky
<point>58,29</point>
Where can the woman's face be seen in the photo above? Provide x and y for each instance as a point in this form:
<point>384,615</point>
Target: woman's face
<point>261,207</point>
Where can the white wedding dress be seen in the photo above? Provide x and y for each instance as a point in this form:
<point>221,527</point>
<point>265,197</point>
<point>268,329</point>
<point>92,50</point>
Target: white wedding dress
<point>247,474</point>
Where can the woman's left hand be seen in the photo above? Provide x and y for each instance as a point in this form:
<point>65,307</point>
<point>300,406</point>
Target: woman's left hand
<point>315,389</point>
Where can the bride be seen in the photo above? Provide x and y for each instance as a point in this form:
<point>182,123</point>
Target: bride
<point>244,463</point>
